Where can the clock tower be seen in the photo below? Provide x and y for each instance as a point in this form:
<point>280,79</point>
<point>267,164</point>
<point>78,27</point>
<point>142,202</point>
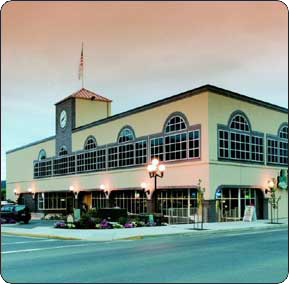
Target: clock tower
<point>78,109</point>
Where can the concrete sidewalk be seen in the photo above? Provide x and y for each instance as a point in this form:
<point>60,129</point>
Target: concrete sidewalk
<point>136,233</point>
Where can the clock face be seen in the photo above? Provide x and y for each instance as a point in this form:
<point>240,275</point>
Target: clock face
<point>63,119</point>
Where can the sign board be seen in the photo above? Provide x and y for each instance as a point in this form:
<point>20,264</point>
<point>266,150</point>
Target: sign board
<point>283,180</point>
<point>151,218</point>
<point>250,214</point>
<point>76,214</point>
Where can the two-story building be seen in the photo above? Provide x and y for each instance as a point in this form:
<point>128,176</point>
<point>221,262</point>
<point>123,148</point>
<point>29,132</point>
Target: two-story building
<point>233,143</point>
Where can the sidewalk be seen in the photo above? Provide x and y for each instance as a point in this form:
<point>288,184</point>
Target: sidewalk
<point>137,233</point>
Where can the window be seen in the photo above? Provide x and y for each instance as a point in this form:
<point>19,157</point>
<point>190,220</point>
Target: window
<point>42,169</point>
<point>223,143</point>
<point>277,147</point>
<point>125,135</point>
<point>90,143</point>
<point>98,199</point>
<point>157,148</point>
<point>64,165</point>
<point>126,155</point>
<point>240,146</point>
<point>42,155</point>
<point>239,122</point>
<point>112,157</point>
<point>176,147</point>
<point>141,152</point>
<point>257,149</point>
<point>40,200</point>
<point>283,133</point>
<point>177,202</point>
<point>101,159</point>
<point>63,151</point>
<point>237,142</point>
<point>194,144</point>
<point>53,201</point>
<point>175,123</point>
<point>134,201</point>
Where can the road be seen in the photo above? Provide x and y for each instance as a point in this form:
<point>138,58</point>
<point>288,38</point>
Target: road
<point>251,257</point>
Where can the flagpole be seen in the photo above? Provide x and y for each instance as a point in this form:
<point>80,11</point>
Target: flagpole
<point>82,69</point>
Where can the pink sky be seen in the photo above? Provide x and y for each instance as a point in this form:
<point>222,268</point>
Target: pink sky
<point>135,53</point>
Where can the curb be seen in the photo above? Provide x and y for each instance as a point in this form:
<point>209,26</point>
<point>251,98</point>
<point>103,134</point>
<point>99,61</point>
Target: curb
<point>140,237</point>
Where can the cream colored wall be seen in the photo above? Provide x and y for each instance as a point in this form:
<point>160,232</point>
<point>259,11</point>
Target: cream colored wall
<point>87,111</point>
<point>232,173</point>
<point>149,122</point>
<point>19,165</point>
<point>261,119</point>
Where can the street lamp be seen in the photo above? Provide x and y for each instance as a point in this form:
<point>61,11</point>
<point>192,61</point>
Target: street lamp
<point>156,170</point>
<point>273,200</point>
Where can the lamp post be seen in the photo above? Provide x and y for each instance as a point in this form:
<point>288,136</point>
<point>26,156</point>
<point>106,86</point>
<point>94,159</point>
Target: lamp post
<point>155,170</point>
<point>272,200</point>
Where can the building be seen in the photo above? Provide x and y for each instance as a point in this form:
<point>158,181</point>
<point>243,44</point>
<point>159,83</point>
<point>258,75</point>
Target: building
<point>233,143</point>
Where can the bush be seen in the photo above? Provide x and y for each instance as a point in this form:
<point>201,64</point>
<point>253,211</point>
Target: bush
<point>112,214</point>
<point>117,226</point>
<point>122,220</point>
<point>104,224</point>
<point>60,224</point>
<point>85,222</point>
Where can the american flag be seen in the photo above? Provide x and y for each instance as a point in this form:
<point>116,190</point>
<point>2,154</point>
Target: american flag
<point>80,74</point>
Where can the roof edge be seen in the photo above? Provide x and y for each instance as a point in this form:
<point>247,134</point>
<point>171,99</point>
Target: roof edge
<point>30,144</point>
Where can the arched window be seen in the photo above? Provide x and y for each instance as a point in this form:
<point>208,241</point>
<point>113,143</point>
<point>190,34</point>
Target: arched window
<point>90,143</point>
<point>63,151</point>
<point>42,155</point>
<point>175,123</point>
<point>239,122</point>
<point>283,132</point>
<point>238,142</point>
<point>126,134</point>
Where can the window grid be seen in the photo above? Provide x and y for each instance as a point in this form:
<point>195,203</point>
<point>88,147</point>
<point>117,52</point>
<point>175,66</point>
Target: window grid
<point>223,143</point>
<point>272,151</point>
<point>176,147</point>
<point>141,152</point>
<point>283,153</point>
<point>98,199</point>
<point>64,165</point>
<point>101,159</point>
<point>240,146</point>
<point>62,151</point>
<point>125,135</point>
<point>126,155</point>
<point>239,122</point>
<point>176,123</point>
<point>194,144</point>
<point>257,149</point>
<point>133,200</point>
<point>113,157</point>
<point>283,133</point>
<point>53,201</point>
<point>90,144</point>
<point>157,149</point>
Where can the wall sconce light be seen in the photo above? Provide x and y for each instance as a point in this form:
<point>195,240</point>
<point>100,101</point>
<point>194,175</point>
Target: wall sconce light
<point>106,191</point>
<point>75,192</point>
<point>147,192</point>
<point>16,192</point>
<point>32,192</point>
<point>143,185</point>
<point>271,185</point>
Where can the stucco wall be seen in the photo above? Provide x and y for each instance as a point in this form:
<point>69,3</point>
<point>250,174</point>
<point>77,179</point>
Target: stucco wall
<point>87,111</point>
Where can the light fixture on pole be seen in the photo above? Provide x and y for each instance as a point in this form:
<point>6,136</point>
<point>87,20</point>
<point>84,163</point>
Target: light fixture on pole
<point>143,185</point>
<point>156,170</point>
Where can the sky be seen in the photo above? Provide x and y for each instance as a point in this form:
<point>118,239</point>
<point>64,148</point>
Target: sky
<point>134,53</point>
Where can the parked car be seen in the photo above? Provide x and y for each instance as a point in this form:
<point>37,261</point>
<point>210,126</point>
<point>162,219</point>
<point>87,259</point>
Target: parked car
<point>17,212</point>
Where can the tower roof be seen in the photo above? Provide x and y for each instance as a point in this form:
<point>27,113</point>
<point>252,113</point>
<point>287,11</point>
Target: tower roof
<point>86,95</point>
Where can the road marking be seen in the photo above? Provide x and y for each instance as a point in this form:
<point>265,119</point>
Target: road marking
<point>16,243</point>
<point>15,236</point>
<point>39,249</point>
<point>253,233</point>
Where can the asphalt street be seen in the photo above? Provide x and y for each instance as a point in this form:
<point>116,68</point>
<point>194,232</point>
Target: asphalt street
<point>251,257</point>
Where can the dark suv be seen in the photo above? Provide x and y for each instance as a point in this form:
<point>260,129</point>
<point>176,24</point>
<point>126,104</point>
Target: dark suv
<point>16,212</point>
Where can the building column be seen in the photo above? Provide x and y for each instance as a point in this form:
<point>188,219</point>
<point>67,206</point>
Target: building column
<point>210,210</point>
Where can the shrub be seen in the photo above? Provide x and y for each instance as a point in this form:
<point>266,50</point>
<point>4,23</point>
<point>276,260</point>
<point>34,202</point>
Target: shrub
<point>122,220</point>
<point>117,226</point>
<point>112,214</point>
<point>85,222</point>
<point>104,224</point>
<point>128,225</point>
<point>60,224</point>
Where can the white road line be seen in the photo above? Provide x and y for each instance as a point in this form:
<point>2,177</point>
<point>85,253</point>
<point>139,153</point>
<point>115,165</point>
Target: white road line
<point>39,249</point>
<point>16,236</point>
<point>16,243</point>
